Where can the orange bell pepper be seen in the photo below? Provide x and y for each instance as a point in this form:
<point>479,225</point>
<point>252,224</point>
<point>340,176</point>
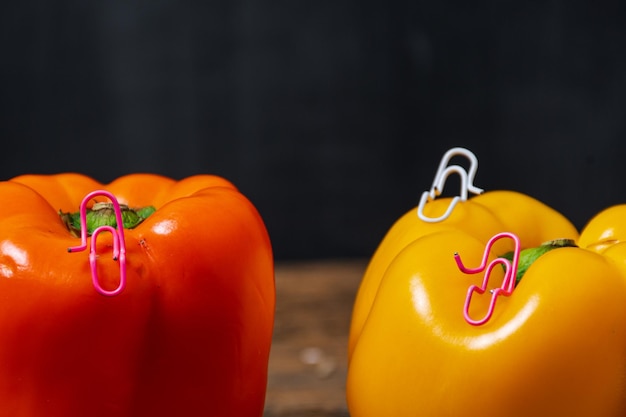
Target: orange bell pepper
<point>189,332</point>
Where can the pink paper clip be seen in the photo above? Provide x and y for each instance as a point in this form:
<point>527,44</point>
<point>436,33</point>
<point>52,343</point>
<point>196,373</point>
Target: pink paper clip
<point>444,171</point>
<point>119,243</point>
<point>508,282</point>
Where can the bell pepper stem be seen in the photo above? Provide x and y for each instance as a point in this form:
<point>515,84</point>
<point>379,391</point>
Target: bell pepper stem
<point>114,210</point>
<point>103,214</point>
<point>529,255</point>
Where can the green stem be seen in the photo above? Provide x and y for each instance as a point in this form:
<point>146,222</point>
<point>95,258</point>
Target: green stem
<point>103,214</point>
<point>529,255</point>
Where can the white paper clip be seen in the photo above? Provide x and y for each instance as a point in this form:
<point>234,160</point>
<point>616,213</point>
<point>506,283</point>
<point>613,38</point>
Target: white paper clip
<point>467,183</point>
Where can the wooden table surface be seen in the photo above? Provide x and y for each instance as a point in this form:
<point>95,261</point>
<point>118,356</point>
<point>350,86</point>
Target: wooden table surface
<point>308,361</point>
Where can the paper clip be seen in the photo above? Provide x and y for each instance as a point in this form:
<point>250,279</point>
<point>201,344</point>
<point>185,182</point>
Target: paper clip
<point>119,243</point>
<point>508,282</point>
<point>467,183</point>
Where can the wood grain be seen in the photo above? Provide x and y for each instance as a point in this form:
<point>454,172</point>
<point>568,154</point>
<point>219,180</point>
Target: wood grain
<point>308,361</point>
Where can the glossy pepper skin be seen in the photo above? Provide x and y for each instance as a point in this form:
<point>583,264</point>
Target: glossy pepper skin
<point>605,234</point>
<point>556,346</point>
<point>482,216</point>
<point>190,334</point>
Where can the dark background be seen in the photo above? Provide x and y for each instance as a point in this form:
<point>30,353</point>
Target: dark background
<point>330,115</point>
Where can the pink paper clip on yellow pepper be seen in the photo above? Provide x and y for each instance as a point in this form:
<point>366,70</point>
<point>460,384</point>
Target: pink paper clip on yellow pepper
<point>466,309</point>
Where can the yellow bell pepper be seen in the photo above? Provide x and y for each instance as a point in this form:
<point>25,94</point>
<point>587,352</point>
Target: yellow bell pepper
<point>482,217</point>
<point>605,233</point>
<point>605,229</point>
<point>556,346</point>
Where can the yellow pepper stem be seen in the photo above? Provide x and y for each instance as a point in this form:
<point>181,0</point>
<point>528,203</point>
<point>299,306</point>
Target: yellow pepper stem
<point>529,255</point>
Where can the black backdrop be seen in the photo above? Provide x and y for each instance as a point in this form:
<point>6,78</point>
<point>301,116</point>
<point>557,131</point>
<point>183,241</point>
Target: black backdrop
<point>330,115</point>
